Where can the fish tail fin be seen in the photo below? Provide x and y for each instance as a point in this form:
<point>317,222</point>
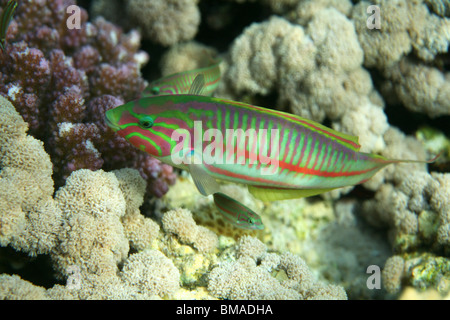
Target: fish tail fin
<point>387,161</point>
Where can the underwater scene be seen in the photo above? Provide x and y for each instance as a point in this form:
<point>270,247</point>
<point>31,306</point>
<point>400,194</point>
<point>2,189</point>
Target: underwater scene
<point>224,149</point>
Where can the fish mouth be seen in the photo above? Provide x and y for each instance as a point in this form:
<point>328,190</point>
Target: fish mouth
<point>110,121</point>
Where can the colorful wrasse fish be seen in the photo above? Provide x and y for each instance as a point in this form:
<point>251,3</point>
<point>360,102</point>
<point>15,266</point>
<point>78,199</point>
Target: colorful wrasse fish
<point>236,213</point>
<point>278,155</point>
<point>5,20</point>
<point>180,83</point>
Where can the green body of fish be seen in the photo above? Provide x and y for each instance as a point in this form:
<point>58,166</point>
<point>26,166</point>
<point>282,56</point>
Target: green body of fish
<point>279,155</point>
<point>276,154</point>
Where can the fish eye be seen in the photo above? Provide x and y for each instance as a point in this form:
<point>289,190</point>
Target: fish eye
<point>155,90</point>
<point>146,122</point>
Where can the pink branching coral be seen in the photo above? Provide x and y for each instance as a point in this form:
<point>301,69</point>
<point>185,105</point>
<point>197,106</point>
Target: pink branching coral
<point>63,80</point>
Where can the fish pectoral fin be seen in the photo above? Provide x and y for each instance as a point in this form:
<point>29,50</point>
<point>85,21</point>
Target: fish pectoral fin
<point>205,184</point>
<point>272,194</point>
<point>197,85</point>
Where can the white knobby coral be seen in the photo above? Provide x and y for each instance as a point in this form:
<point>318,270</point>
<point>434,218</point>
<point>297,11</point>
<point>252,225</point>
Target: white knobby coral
<point>251,276</point>
<point>407,27</point>
<point>181,223</point>
<point>93,236</point>
<point>29,219</point>
<point>151,273</point>
<point>165,21</point>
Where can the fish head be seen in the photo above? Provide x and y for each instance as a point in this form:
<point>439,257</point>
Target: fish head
<point>156,88</point>
<point>250,221</point>
<point>147,123</point>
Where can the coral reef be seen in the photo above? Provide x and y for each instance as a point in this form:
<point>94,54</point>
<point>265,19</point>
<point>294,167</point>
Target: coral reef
<point>250,276</point>
<point>63,80</point>
<point>79,203</point>
<point>89,225</point>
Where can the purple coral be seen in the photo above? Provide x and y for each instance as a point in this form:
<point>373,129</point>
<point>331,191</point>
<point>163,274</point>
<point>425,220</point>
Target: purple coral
<point>63,80</point>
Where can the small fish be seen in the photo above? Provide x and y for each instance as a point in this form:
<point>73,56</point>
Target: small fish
<point>310,158</point>
<point>180,83</point>
<point>236,213</point>
<point>5,20</point>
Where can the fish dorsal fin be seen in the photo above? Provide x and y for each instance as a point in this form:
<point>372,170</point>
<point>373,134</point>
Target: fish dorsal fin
<point>5,20</point>
<point>348,140</point>
<point>197,85</point>
<point>271,194</point>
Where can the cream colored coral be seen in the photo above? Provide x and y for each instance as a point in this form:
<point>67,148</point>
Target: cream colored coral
<point>93,236</point>
<point>91,193</point>
<point>400,207</point>
<point>419,87</point>
<point>297,271</point>
<point>307,9</point>
<point>265,51</point>
<point>251,247</point>
<point>181,223</point>
<point>328,29</point>
<point>165,21</point>
<point>251,276</point>
<point>40,233</point>
<point>386,46</point>
<point>151,273</point>
<point>407,27</point>
<point>392,274</point>
<point>242,279</point>
<point>132,186</point>
<point>371,125</point>
<point>186,56</point>
<point>12,217</point>
<point>440,202</point>
<point>12,126</point>
<point>15,288</point>
<point>29,220</point>
<point>139,230</point>
<point>95,287</point>
<point>440,7</point>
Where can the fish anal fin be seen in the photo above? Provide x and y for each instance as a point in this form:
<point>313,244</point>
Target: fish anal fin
<point>271,194</point>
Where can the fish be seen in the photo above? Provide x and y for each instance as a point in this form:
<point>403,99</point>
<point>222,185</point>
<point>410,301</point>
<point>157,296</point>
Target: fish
<point>180,83</point>
<point>236,213</point>
<point>278,155</point>
<point>5,20</point>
